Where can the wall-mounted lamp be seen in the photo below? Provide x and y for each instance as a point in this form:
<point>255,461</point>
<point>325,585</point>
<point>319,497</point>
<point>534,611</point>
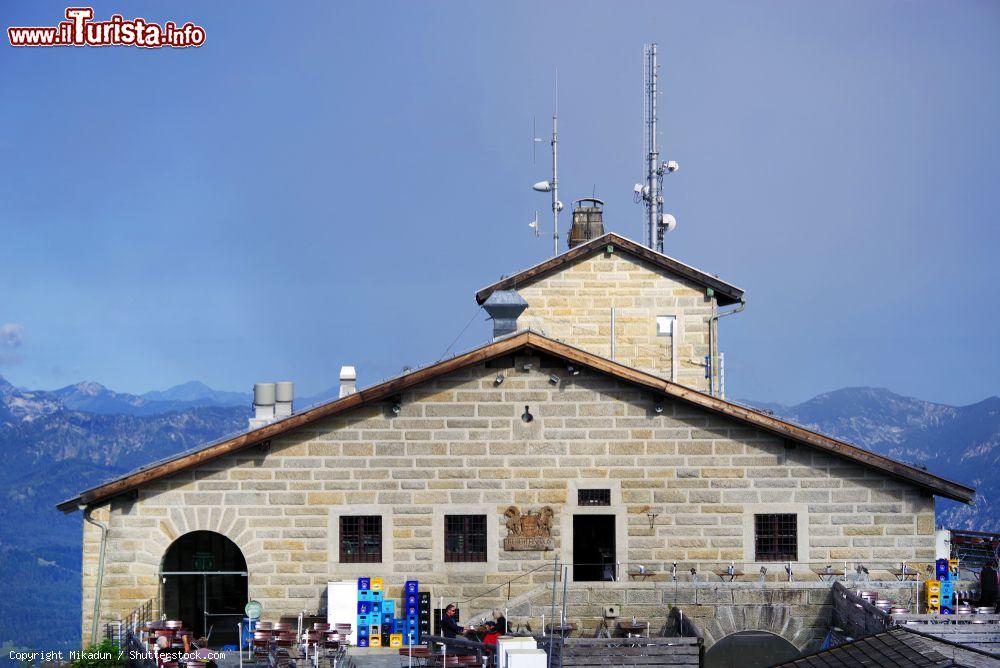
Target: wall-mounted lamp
<point>526,416</point>
<point>554,379</point>
<point>572,370</point>
<point>658,407</point>
<point>498,380</point>
<point>397,404</point>
<point>652,518</point>
<point>526,366</point>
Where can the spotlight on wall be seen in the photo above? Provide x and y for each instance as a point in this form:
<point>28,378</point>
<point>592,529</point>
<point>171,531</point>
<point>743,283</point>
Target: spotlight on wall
<point>554,379</point>
<point>526,416</point>
<point>397,404</point>
<point>526,366</point>
<point>498,380</point>
<point>658,407</point>
<point>572,370</point>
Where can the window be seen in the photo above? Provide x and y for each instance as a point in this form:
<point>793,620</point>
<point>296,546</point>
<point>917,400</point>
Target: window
<point>665,325</point>
<point>465,537</point>
<point>776,537</point>
<point>593,497</point>
<point>360,539</point>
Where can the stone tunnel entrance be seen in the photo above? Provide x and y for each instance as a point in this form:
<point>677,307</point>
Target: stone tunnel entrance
<point>204,580</point>
<point>750,649</point>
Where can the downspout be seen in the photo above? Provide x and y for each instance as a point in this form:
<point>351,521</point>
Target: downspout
<point>100,573</point>
<point>713,323</point>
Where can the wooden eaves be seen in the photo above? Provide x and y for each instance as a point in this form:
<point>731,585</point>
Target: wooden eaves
<point>724,292</point>
<point>537,342</point>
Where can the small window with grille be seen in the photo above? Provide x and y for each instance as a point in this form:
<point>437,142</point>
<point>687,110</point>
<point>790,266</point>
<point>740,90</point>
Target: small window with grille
<point>360,539</point>
<point>776,537</point>
<point>465,537</point>
<point>593,497</point>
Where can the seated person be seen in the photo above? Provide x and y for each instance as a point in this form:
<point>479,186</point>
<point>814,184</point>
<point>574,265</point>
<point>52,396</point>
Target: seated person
<point>449,627</point>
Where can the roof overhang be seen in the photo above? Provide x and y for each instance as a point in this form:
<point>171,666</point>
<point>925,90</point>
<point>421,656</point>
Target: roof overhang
<point>725,293</point>
<point>525,340</point>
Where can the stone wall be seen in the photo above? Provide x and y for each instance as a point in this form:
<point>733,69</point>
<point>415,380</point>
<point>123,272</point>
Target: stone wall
<point>574,305</point>
<point>459,445</point>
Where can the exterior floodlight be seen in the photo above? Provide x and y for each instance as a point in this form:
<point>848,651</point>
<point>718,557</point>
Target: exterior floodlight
<point>542,187</point>
<point>658,407</point>
<point>499,379</point>
<point>572,370</point>
<point>397,405</point>
<point>554,379</point>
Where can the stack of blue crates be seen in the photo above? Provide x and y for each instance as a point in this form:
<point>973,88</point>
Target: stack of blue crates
<point>378,625</point>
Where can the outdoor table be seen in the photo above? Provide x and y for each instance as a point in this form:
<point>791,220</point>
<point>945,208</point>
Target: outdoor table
<point>726,575</point>
<point>631,629</point>
<point>828,574</point>
<point>565,631</point>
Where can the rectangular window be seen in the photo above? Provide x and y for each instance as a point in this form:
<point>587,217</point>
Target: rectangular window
<point>465,537</point>
<point>665,325</point>
<point>776,537</point>
<point>593,497</point>
<point>360,539</point>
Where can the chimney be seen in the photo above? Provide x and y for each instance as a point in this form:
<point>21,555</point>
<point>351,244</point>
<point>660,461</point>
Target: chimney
<point>588,221</point>
<point>348,380</point>
<point>284,392</point>
<point>504,306</point>
<point>263,405</point>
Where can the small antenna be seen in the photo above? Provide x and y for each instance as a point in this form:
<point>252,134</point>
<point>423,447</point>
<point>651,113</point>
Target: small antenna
<point>534,224</point>
<point>553,185</point>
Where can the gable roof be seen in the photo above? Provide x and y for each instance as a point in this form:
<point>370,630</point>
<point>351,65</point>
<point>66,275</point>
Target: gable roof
<point>725,293</point>
<point>516,342</point>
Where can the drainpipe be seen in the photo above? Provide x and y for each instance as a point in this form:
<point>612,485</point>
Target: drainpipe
<point>100,572</point>
<point>713,322</point>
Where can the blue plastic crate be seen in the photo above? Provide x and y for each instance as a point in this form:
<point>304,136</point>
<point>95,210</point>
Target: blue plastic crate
<point>411,586</point>
<point>364,607</point>
<point>389,605</point>
<point>364,584</point>
<point>362,641</point>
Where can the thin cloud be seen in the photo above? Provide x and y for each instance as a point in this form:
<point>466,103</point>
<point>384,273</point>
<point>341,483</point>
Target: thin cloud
<point>11,338</point>
<point>11,335</point>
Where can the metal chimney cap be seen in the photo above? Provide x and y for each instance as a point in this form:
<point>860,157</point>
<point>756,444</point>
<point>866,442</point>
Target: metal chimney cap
<point>348,373</point>
<point>505,299</point>
<point>284,391</point>
<point>263,394</point>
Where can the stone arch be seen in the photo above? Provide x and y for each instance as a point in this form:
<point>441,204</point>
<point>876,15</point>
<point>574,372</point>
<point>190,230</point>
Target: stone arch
<point>224,521</point>
<point>777,619</point>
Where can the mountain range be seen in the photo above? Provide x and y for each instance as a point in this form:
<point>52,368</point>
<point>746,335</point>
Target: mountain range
<point>55,443</point>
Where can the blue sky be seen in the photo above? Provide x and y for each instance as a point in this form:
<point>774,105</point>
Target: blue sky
<point>329,183</point>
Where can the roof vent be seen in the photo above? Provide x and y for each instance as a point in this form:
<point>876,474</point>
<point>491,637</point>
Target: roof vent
<point>284,392</point>
<point>263,404</point>
<point>588,221</point>
<point>348,380</point>
<point>504,306</point>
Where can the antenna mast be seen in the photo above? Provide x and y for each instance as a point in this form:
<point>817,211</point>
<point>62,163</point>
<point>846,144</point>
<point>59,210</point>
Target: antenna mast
<point>556,204</point>
<point>553,185</point>
<point>653,198</point>
<point>655,222</point>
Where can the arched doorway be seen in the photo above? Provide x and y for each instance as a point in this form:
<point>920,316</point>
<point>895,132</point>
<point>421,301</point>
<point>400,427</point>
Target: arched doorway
<point>204,578</point>
<point>750,649</point>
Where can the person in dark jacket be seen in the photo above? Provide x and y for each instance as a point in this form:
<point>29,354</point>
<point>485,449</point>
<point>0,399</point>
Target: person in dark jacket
<point>988,585</point>
<point>449,627</point>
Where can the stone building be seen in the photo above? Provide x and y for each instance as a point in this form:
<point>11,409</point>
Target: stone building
<point>484,469</point>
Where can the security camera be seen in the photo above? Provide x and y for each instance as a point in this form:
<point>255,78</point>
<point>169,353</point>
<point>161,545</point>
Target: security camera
<point>671,166</point>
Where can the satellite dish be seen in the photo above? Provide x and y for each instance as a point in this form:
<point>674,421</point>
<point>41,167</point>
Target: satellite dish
<point>668,223</point>
<point>542,186</point>
<point>559,205</point>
